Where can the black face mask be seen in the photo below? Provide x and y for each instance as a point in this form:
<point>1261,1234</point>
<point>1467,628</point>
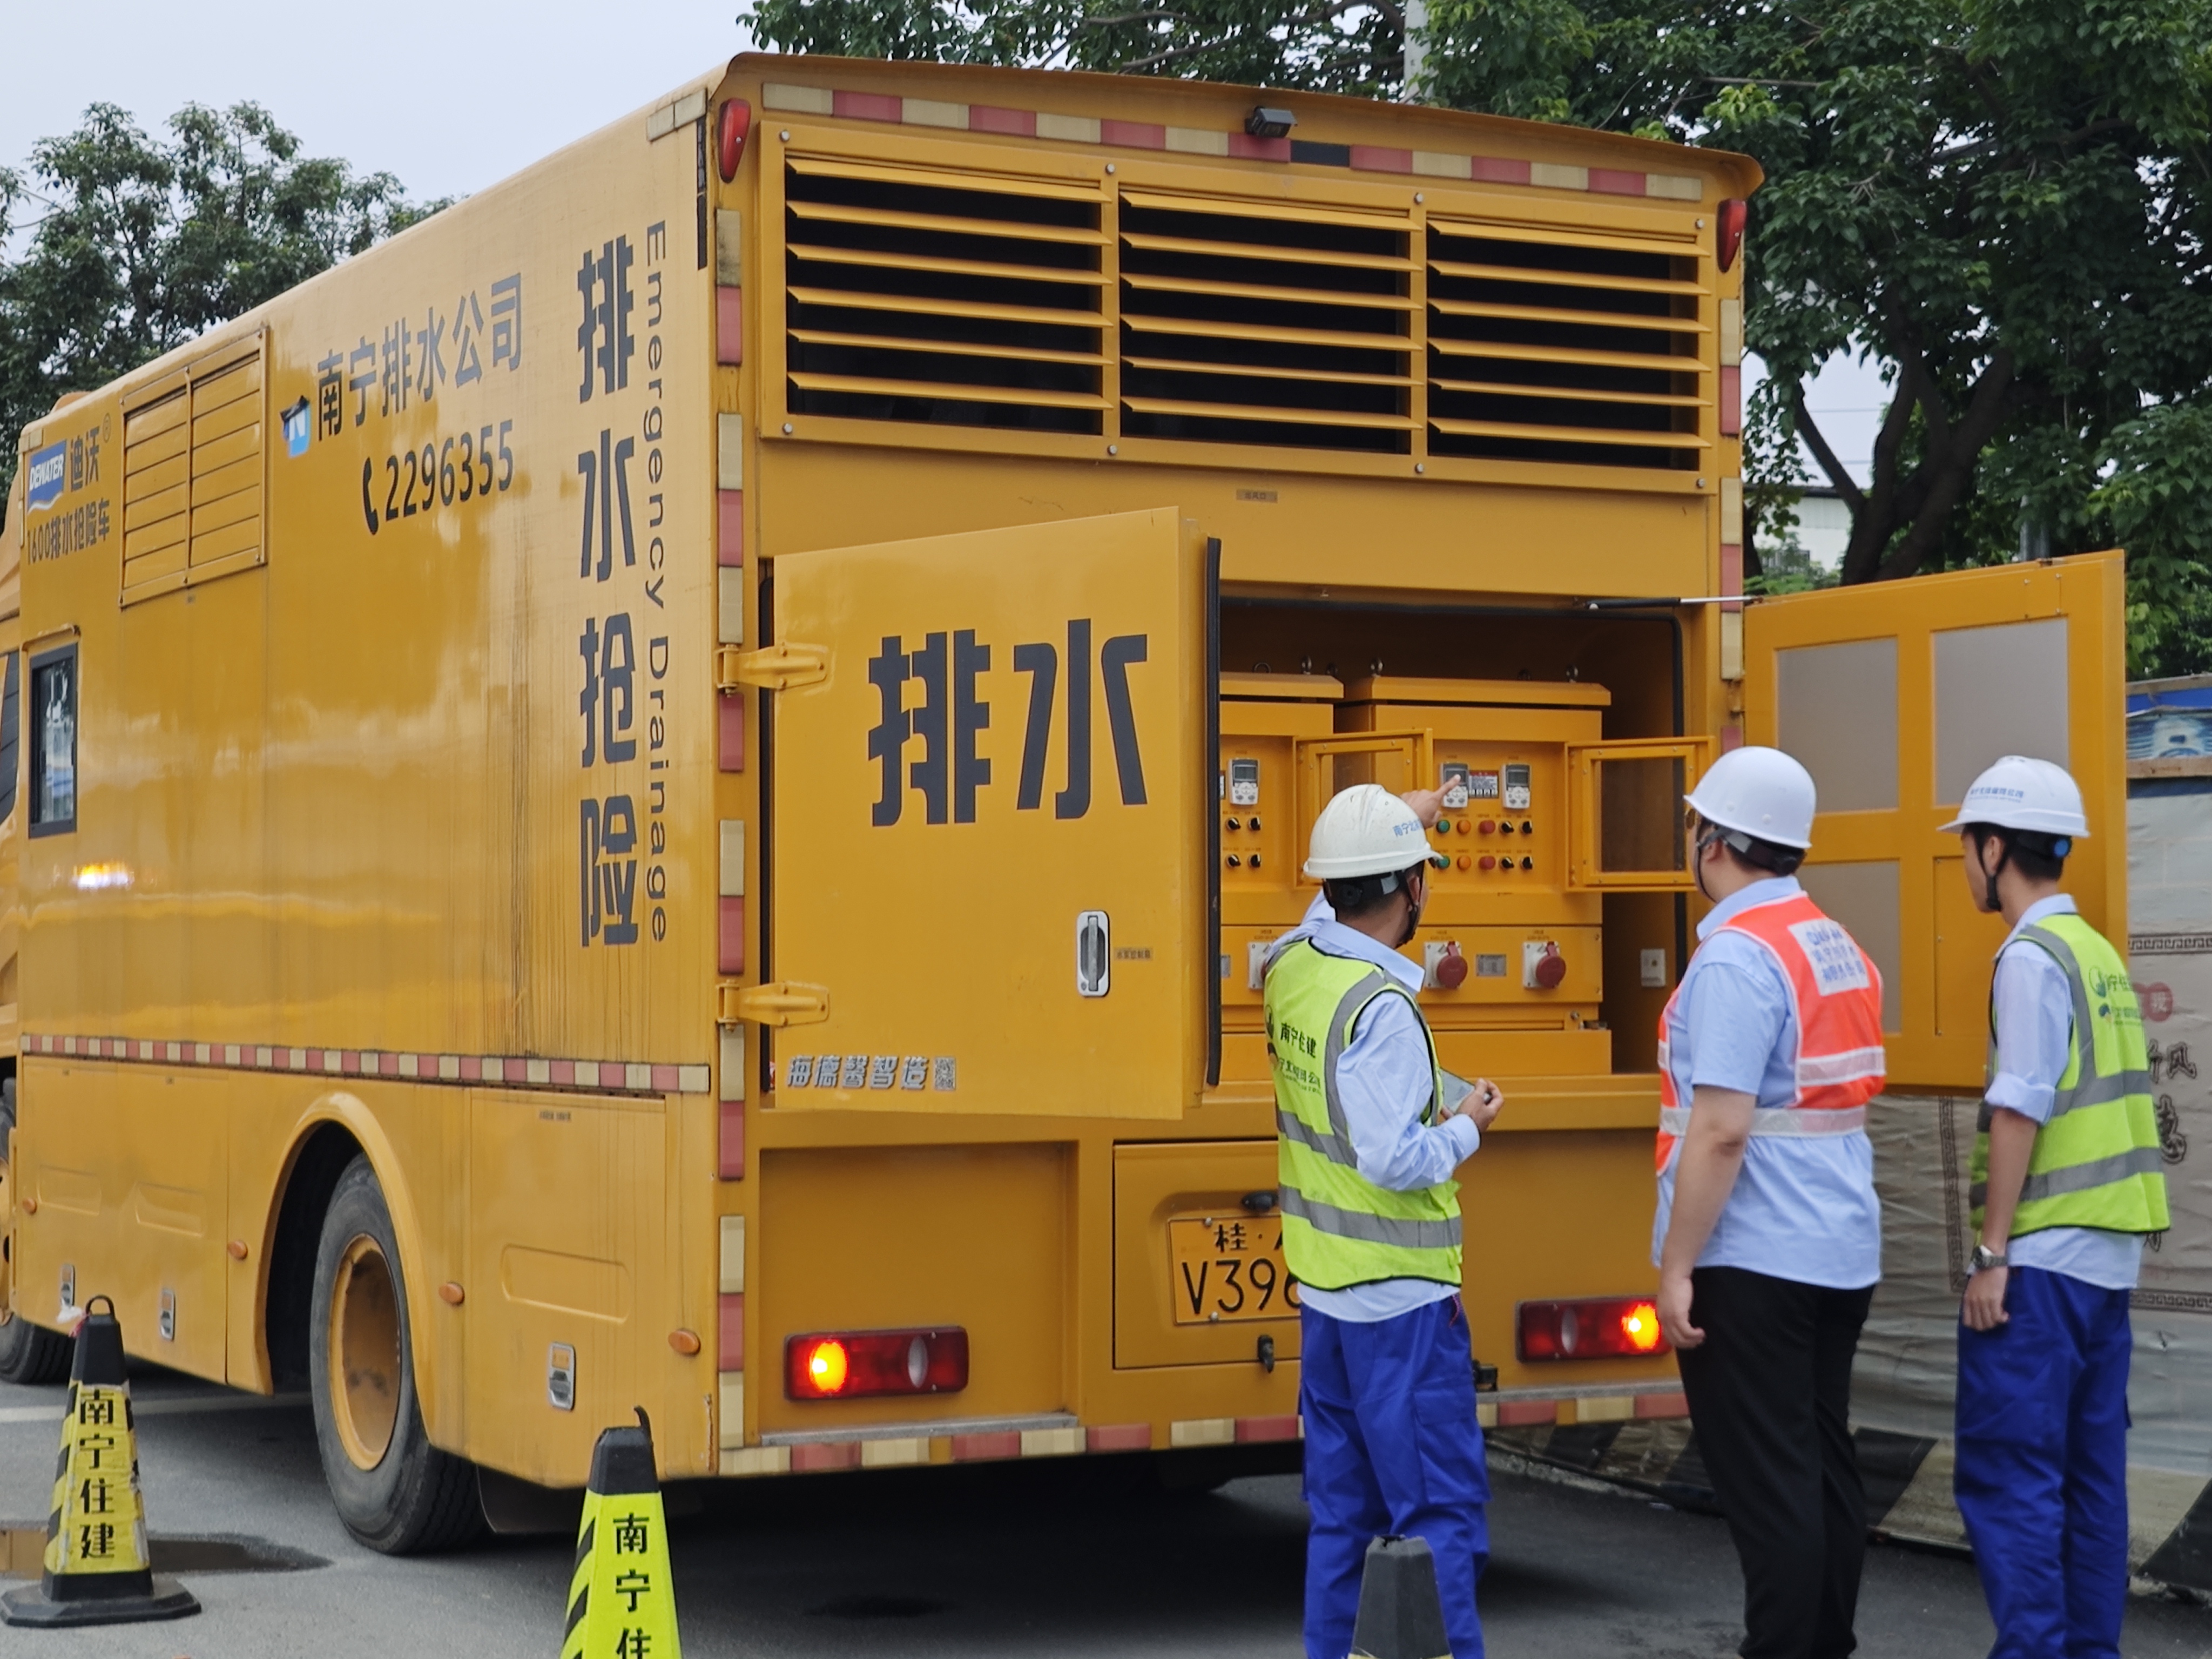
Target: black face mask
<point>1413,908</point>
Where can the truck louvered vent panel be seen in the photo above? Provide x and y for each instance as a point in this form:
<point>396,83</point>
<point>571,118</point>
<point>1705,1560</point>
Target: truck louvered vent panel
<point>944,300</point>
<point>193,461</point>
<point>1548,346</point>
<point>1243,325</point>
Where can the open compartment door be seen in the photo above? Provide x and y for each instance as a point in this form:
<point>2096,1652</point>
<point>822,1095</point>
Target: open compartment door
<point>1624,813</point>
<point>1895,695</point>
<point>992,785</point>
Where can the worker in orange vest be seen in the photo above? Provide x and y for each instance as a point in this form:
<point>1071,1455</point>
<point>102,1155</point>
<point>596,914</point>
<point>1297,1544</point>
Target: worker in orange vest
<point>1768,1237</point>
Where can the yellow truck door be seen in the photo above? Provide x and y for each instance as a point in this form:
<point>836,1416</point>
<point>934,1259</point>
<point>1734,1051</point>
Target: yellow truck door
<point>1895,695</point>
<point>993,781</point>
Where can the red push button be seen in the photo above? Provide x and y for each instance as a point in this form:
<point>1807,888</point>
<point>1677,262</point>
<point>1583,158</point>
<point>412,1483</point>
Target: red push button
<point>1488,826</point>
<point>1487,861</point>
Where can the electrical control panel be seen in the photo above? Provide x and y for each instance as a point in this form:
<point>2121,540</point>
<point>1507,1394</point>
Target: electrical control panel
<point>1510,942</point>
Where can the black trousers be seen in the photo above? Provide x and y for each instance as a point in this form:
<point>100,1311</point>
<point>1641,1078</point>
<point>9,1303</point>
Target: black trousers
<point>1769,1392</point>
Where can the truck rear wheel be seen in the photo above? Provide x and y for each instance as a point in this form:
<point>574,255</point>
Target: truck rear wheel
<point>28,1353</point>
<point>396,1493</point>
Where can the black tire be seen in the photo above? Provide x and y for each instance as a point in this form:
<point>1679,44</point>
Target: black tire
<point>28,1353</point>
<point>396,1493</point>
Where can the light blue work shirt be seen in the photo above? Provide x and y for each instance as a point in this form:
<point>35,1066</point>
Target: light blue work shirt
<point>1384,1082</point>
<point>1803,1207</point>
<point>2033,1008</point>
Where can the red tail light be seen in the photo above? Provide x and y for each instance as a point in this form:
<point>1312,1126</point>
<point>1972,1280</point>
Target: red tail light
<point>730,135</point>
<point>1728,239</point>
<point>853,1364</point>
<point>1600,1327</point>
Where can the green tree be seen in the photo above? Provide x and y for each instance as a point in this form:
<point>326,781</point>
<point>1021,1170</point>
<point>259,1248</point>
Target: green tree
<point>132,246</point>
<point>2005,204</point>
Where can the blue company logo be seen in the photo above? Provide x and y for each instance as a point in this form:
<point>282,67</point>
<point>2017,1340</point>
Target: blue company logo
<point>49,476</point>
<point>297,429</point>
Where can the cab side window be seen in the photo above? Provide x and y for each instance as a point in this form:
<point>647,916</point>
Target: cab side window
<point>11,733</point>
<point>53,742</point>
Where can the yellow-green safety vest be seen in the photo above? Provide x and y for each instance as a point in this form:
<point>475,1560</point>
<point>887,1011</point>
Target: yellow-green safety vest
<point>1339,1228</point>
<point>2096,1161</point>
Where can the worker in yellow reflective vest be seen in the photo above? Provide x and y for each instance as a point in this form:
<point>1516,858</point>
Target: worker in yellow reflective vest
<point>1370,1128</point>
<point>2066,1183</point>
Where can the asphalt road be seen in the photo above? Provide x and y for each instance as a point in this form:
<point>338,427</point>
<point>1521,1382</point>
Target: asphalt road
<point>1010,1560</point>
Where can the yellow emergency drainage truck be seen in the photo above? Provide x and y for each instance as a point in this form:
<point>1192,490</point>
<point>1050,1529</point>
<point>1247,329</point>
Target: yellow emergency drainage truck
<point>670,789</point>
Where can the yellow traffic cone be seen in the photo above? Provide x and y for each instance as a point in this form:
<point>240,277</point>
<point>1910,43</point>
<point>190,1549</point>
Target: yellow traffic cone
<point>96,1570</point>
<point>621,1600</point>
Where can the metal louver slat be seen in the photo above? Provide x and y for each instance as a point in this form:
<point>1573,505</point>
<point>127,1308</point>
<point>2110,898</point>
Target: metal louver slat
<point>1261,373</point>
<point>1262,291</point>
<point>1552,345</point>
<point>1569,278</point>
<point>949,392</point>
<point>831,214</point>
<point>862,299</point>
<point>962,267</point>
<point>1249,412</point>
<point>1573,394</point>
<point>950,348</point>
<point>1571,434</point>
<point>1591,318</point>
<point>944,299</point>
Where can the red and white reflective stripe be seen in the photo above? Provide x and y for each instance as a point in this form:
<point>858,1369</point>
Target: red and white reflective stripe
<point>1840,1062</point>
<point>794,100</point>
<point>612,1076</point>
<point>1852,1065</point>
<point>1796,1121</point>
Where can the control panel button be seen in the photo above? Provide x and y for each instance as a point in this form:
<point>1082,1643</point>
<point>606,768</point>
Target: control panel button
<point>1489,826</point>
<point>1463,826</point>
<point>1527,828</point>
<point>1525,864</point>
<point>1488,861</point>
<point>1233,862</point>
<point>1256,822</point>
<point>1232,824</point>
<point>1464,860</point>
<point>1256,861</point>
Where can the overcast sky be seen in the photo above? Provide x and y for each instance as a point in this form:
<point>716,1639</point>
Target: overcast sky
<point>452,95</point>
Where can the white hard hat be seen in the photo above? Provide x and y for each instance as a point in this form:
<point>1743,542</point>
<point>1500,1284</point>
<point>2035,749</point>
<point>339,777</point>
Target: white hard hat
<point>1366,830</point>
<point>2022,792</point>
<point>1757,792</point>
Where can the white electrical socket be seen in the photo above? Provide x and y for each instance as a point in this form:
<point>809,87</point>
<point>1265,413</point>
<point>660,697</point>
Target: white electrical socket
<point>1652,969</point>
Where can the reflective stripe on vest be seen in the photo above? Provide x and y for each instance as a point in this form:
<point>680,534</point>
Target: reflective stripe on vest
<point>1835,993</point>
<point>1338,1228</point>
<point>2096,1161</point>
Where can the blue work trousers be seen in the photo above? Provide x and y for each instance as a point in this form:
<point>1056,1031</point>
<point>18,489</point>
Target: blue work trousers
<point>1392,1446</point>
<point>2042,1471</point>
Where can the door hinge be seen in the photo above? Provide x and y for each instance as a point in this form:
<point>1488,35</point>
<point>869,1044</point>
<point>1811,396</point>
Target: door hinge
<point>781,1004</point>
<point>771,668</point>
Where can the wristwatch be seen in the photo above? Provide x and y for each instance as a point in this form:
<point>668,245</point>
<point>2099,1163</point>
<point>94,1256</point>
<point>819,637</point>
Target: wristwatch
<point>1985,1257</point>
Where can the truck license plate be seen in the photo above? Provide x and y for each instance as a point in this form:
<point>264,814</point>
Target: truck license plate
<point>1222,1269</point>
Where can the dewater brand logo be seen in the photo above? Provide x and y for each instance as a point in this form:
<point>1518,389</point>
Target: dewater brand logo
<point>49,475</point>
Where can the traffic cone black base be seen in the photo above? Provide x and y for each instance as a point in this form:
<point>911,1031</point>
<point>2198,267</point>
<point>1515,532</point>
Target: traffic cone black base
<point>31,1606</point>
<point>96,1569</point>
<point>1400,1614</point>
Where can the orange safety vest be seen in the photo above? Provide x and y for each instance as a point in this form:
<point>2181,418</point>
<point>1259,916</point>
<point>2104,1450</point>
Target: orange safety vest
<point>1835,991</point>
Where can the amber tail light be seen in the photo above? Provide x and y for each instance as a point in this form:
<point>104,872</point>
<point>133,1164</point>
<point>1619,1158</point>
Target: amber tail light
<point>856,1364</point>
<point>1595,1327</point>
